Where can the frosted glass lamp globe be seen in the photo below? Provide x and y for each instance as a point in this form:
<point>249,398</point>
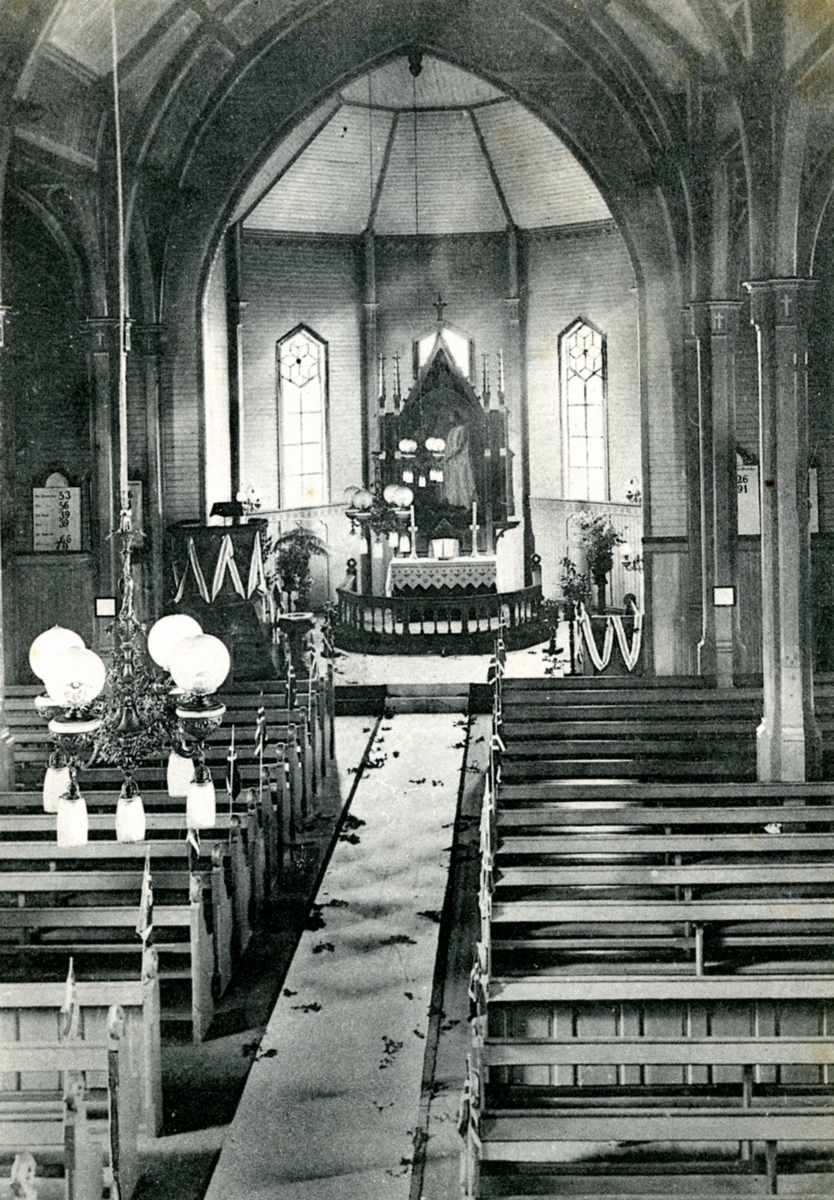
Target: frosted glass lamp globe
<point>76,677</point>
<point>168,632</point>
<point>199,665</point>
<point>49,645</point>
<point>200,804</point>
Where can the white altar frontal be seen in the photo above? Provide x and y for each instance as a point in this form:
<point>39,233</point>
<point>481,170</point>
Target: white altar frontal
<point>449,576</point>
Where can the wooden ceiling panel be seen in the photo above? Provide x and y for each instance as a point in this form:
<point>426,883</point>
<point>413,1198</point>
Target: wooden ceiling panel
<point>541,180</point>
<point>683,18</point>
<point>208,67</point>
<point>329,188</point>
<point>82,29</point>
<point>138,83</point>
<point>455,191</point>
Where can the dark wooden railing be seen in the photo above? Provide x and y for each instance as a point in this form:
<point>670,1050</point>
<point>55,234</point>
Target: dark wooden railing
<point>430,624</point>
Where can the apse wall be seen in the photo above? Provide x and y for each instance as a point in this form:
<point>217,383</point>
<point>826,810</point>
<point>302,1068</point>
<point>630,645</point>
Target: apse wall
<point>584,272</point>
<point>320,282</point>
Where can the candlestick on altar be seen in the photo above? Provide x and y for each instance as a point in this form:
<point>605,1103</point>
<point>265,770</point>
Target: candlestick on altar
<point>397,392</point>
<point>381,379</point>
<point>413,530</point>
<point>500,372</point>
<point>486,377</point>
<point>474,527</point>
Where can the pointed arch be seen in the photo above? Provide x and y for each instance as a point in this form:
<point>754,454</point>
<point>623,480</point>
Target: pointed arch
<point>583,386</point>
<point>302,379</point>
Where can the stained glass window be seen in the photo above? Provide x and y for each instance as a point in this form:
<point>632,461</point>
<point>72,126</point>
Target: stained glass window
<point>583,370</point>
<point>302,400</point>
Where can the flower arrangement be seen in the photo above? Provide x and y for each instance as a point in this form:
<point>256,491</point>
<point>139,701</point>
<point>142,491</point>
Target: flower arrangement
<point>599,537</point>
<point>288,564</point>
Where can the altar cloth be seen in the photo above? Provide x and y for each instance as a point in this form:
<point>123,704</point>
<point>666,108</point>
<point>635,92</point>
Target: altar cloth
<point>441,573</point>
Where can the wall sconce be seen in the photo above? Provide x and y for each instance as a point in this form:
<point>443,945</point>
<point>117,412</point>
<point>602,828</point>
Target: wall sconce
<point>630,562</point>
<point>634,491</point>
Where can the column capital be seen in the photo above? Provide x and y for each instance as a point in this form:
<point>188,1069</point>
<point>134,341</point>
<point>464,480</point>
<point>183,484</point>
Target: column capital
<point>148,340</point>
<point>723,316</point>
<point>783,302</point>
<point>100,334</point>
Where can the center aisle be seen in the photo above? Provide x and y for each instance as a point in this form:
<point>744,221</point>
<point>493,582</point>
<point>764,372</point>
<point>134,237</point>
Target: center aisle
<point>331,1105</point>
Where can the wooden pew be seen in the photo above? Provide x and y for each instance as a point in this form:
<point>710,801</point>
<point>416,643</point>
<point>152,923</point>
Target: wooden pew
<point>614,1062</point>
<point>590,1043</point>
<point>298,727</point>
<point>92,916</point>
<point>171,859</point>
<point>30,1012</point>
<point>247,835</point>
<point>580,728</point>
<point>76,1104</point>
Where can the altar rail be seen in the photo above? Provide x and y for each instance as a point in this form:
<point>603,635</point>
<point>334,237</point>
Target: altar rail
<point>431,625</point>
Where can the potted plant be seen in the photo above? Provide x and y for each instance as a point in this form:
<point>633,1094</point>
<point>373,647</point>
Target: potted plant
<point>288,572</point>
<point>599,538</point>
<point>576,589</point>
<point>288,566</point>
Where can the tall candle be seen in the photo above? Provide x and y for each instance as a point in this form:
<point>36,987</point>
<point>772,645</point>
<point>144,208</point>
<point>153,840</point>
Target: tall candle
<point>474,514</point>
<point>501,371</point>
<point>413,522</point>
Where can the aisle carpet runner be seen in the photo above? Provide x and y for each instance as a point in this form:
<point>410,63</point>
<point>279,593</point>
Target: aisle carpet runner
<point>331,1104</point>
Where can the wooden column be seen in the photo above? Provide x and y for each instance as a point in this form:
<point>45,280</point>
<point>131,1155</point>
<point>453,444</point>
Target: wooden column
<point>789,741</point>
<point>517,374</point>
<point>700,531</point>
<point>709,348</point>
<point>235,309</point>
<point>6,490</point>
<point>723,329</point>
<point>370,429</point>
<point>102,335</point>
<point>148,343</point>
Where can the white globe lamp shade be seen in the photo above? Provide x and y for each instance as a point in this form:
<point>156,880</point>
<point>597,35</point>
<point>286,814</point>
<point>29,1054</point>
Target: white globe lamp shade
<point>200,805</point>
<point>168,632</point>
<point>404,497</point>
<point>200,664</point>
<point>76,677</point>
<point>72,823</point>
<point>56,783</point>
<point>49,645</point>
<point>179,774</point>
<point>390,493</point>
<point>130,818</point>
<point>363,499</point>
<point>350,492</point>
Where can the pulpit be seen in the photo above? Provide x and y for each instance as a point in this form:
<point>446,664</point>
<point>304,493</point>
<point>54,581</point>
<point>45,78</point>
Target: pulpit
<point>216,574</point>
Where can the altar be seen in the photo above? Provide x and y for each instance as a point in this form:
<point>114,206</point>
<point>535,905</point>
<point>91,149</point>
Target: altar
<point>442,576</point>
<point>432,518</point>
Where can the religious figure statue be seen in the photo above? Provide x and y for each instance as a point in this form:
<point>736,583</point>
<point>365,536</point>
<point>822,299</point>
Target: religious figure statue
<point>458,479</point>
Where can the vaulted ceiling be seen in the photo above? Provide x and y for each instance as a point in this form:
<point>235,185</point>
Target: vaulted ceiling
<point>302,113</point>
<point>439,152</point>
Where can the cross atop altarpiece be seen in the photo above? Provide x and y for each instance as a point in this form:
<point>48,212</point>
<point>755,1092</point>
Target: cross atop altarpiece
<point>440,304</point>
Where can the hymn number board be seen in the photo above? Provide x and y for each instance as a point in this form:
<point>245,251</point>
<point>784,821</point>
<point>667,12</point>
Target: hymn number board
<point>56,516</point>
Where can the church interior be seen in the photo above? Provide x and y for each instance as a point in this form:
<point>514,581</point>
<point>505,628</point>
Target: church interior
<point>416,670</point>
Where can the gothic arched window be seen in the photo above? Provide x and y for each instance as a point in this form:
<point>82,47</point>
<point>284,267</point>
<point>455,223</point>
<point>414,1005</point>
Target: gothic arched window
<point>302,418</point>
<point>583,371</point>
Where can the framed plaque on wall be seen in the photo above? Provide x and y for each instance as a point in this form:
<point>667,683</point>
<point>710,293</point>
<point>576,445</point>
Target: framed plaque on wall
<point>56,516</point>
